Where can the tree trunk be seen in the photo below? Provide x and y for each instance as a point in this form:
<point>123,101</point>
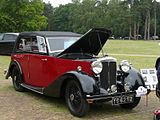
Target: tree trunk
<point>155,20</point>
<point>149,23</point>
<point>135,33</point>
<point>145,28</point>
<point>130,32</point>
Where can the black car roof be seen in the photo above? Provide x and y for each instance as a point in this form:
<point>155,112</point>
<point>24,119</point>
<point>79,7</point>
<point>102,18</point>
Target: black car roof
<point>50,34</point>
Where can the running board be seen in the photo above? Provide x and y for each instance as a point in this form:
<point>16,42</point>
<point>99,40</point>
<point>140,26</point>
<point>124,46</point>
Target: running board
<point>35,89</point>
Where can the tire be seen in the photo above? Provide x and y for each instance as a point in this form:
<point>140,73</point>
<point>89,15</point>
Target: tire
<point>75,99</point>
<point>157,91</point>
<point>158,71</point>
<point>131,105</point>
<point>17,80</point>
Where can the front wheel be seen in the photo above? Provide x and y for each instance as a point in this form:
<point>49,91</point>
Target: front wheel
<point>131,105</point>
<point>75,99</point>
<point>17,80</point>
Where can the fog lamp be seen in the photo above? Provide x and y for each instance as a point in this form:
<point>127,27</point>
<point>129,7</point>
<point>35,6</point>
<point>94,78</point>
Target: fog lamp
<point>127,87</point>
<point>124,66</point>
<point>114,88</point>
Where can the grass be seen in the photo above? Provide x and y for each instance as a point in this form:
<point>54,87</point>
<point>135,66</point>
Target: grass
<point>4,63</point>
<point>115,48</point>
<point>139,48</point>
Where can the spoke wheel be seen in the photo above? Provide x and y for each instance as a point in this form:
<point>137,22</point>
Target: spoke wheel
<point>17,80</point>
<point>131,105</point>
<point>75,99</point>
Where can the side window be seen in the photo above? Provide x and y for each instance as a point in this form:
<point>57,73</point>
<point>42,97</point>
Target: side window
<point>32,44</point>
<point>9,37</point>
<point>24,44</point>
<point>41,44</point>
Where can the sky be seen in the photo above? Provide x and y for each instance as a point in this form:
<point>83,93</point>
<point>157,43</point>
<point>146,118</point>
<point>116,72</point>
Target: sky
<point>56,3</point>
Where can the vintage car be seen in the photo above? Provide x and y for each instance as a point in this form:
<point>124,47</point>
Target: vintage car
<point>7,42</point>
<point>65,64</point>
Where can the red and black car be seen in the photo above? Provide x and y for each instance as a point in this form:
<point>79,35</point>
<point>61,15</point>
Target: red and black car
<point>65,64</point>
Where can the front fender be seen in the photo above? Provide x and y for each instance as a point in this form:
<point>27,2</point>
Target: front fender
<point>134,79</point>
<point>157,63</point>
<point>57,88</point>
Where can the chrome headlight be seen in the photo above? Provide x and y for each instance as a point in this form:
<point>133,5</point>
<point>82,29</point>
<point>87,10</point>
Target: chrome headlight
<point>97,67</point>
<point>124,66</point>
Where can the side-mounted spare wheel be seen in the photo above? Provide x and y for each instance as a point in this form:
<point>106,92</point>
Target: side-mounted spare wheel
<point>17,79</point>
<point>131,105</point>
<point>75,99</point>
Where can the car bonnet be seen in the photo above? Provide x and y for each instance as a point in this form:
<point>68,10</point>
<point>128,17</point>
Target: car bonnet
<point>91,42</point>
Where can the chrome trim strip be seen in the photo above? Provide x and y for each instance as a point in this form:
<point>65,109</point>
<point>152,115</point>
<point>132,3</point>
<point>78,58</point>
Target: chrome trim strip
<point>32,89</point>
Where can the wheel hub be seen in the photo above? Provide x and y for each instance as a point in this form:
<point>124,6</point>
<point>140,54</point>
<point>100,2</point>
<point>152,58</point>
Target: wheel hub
<point>71,97</point>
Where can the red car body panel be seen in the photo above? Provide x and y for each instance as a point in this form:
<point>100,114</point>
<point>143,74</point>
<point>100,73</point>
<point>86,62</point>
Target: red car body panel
<point>42,70</point>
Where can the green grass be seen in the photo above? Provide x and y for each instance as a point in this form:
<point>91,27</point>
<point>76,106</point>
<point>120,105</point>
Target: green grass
<point>150,48</point>
<point>4,63</point>
<point>132,47</point>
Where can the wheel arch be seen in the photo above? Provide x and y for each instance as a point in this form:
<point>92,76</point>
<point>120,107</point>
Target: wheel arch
<point>57,88</point>
<point>11,66</point>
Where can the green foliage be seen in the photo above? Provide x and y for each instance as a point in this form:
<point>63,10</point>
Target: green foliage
<point>121,16</point>
<point>22,15</point>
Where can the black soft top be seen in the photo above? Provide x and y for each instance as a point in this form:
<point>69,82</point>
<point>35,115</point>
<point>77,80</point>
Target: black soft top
<point>50,34</point>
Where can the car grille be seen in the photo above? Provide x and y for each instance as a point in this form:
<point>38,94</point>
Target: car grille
<point>108,75</point>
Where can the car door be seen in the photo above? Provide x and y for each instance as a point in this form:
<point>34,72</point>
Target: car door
<point>22,56</point>
<point>38,61</point>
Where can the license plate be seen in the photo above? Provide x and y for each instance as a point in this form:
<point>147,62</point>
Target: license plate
<point>122,99</point>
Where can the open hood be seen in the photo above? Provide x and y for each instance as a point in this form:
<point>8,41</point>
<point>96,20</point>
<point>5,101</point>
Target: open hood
<point>91,42</point>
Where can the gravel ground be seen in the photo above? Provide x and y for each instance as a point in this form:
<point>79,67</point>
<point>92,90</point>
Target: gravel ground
<point>31,106</point>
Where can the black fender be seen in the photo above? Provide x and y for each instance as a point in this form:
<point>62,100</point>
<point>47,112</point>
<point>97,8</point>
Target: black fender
<point>134,79</point>
<point>57,88</point>
<point>157,63</point>
<point>13,64</point>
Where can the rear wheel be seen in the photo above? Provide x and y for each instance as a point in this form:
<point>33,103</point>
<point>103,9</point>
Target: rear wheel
<point>75,99</point>
<point>131,105</point>
<point>17,80</point>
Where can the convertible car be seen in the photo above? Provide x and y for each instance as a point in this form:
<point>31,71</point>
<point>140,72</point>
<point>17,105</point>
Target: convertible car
<point>65,64</point>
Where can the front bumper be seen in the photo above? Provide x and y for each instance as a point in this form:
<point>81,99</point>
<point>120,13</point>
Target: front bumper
<point>141,91</point>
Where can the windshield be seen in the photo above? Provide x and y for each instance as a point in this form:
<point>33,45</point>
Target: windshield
<point>60,43</point>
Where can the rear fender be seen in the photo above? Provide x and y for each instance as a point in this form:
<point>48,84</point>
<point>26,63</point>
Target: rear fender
<point>11,66</point>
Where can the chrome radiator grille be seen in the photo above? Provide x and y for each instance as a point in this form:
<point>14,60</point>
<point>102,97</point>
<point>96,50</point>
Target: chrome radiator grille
<point>108,74</point>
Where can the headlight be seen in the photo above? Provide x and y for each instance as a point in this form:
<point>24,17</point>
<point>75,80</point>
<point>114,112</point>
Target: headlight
<point>97,67</point>
<point>124,66</point>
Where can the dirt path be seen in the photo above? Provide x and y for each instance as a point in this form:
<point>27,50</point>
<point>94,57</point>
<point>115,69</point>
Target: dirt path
<point>32,106</point>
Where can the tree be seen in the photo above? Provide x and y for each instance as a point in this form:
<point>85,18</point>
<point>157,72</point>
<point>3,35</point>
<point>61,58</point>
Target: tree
<point>49,13</point>
<point>22,15</point>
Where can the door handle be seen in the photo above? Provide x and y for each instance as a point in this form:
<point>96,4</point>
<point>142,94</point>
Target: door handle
<point>45,59</point>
